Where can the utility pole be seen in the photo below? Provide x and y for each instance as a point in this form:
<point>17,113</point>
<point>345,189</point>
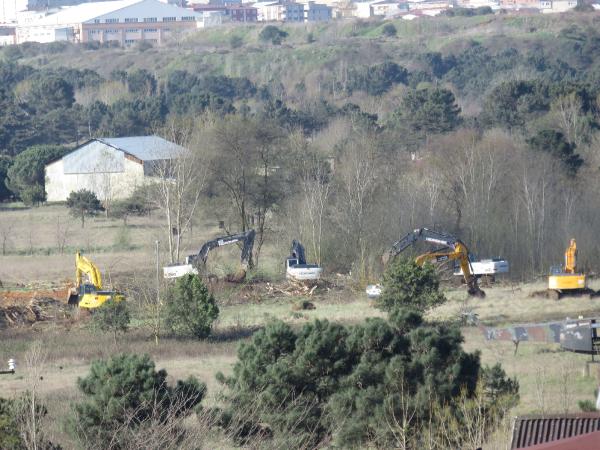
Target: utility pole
<point>156,310</point>
<point>157,242</point>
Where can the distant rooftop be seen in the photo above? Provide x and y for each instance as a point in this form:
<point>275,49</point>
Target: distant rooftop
<point>146,148</point>
<point>86,12</point>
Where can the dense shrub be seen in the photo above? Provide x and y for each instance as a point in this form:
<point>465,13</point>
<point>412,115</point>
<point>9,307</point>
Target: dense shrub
<point>124,393</point>
<point>330,383</point>
<point>83,203</point>
<point>191,308</point>
<point>407,285</point>
<point>113,316</point>
<point>272,34</point>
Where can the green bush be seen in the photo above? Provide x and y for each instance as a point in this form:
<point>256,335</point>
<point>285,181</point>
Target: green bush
<point>126,393</point>
<point>389,30</point>
<point>191,308</point>
<point>236,41</point>
<point>272,34</point>
<point>10,434</point>
<point>335,384</point>
<point>407,285</point>
<point>25,176</point>
<point>112,317</point>
<point>83,203</point>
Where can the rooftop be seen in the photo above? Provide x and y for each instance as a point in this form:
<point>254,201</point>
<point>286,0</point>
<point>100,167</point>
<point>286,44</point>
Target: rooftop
<point>145,148</point>
<point>87,12</point>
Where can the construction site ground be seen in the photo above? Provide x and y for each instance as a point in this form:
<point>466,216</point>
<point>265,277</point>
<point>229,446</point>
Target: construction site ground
<point>36,274</point>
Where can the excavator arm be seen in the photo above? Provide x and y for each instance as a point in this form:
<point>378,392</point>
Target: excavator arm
<point>298,252</point>
<point>571,257</point>
<point>453,249</point>
<point>85,266</point>
<point>248,244</point>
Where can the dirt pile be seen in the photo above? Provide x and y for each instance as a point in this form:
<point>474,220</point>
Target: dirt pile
<point>21,308</point>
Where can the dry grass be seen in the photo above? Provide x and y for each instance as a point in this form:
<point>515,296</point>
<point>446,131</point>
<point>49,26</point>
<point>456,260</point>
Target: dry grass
<point>550,379</point>
<point>41,241</point>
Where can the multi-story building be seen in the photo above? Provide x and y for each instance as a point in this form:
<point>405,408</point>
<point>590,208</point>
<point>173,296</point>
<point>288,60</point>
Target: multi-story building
<point>317,12</point>
<point>280,11</point>
<point>242,13</point>
<point>123,21</point>
<point>7,36</point>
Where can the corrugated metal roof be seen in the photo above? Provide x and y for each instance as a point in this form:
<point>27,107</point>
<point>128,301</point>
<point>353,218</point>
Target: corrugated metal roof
<point>534,430</point>
<point>146,148</point>
<point>590,441</point>
<point>147,8</point>
<point>107,155</point>
<point>94,157</point>
<point>82,12</point>
<point>121,9</point>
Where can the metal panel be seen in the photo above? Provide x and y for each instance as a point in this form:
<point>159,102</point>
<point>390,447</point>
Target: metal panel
<point>534,430</point>
<point>146,148</point>
<point>94,157</point>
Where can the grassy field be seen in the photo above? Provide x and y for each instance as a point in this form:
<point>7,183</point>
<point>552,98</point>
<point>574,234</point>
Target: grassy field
<point>550,379</point>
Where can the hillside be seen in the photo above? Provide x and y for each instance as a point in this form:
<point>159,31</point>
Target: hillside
<point>345,136</point>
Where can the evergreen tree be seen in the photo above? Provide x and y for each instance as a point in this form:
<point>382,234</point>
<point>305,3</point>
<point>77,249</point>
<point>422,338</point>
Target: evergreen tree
<point>126,392</point>
<point>555,143</point>
<point>191,308</point>
<point>407,285</point>
<point>83,203</point>
<point>25,176</point>
<point>112,317</point>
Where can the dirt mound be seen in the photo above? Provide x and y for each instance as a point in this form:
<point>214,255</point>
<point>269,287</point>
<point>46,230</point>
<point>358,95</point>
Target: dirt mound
<point>39,309</point>
<point>20,298</point>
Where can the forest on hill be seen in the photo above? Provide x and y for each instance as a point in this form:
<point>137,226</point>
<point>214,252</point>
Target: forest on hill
<point>485,127</point>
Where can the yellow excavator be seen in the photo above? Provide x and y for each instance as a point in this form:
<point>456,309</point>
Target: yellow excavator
<point>452,249</point>
<point>565,280</point>
<point>89,294</point>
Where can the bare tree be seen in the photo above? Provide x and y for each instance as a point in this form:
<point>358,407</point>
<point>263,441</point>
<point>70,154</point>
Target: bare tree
<point>32,411</point>
<point>180,182</point>
<point>6,234</point>
<point>568,114</point>
<point>314,176</point>
<point>357,174</point>
<point>63,231</point>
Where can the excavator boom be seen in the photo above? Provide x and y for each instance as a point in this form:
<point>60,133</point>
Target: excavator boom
<point>453,249</point>
<point>193,263</point>
<point>89,294</point>
<point>571,257</point>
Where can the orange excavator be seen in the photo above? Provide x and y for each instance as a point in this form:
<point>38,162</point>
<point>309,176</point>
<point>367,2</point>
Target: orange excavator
<point>452,250</point>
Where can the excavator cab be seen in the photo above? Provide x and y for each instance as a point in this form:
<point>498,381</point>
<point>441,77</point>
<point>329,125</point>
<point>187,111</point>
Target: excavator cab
<point>89,294</point>
<point>452,250</point>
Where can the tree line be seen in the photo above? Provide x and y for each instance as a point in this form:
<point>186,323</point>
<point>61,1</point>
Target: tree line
<point>507,163</point>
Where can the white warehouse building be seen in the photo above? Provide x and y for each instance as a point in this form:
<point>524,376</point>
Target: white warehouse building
<point>112,168</point>
<point>123,21</point>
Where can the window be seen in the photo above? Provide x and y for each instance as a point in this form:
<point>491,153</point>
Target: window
<point>112,21</point>
<point>150,30</point>
<point>131,20</point>
<point>130,41</point>
<point>96,20</point>
<point>132,30</point>
<point>169,19</point>
<point>188,19</point>
<point>150,19</point>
